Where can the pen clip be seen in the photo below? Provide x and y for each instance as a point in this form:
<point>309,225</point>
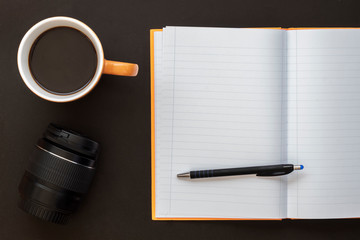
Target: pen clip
<point>272,173</point>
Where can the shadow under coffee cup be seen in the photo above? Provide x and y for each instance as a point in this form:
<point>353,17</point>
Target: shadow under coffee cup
<point>61,59</point>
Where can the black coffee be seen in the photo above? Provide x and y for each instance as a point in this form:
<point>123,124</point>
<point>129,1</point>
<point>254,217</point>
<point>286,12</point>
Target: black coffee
<point>62,60</point>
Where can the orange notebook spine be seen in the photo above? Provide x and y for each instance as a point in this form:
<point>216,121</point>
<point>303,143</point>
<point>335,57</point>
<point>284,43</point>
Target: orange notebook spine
<point>152,76</point>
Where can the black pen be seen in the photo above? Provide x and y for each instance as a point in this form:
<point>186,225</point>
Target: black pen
<point>261,171</point>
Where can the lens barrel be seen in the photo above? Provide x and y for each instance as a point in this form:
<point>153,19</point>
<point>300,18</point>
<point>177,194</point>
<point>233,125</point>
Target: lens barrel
<point>59,175</point>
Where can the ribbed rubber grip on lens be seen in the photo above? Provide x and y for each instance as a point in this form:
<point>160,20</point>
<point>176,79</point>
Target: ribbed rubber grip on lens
<point>46,214</point>
<point>60,172</point>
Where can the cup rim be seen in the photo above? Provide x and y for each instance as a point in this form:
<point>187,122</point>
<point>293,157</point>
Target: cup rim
<point>41,92</point>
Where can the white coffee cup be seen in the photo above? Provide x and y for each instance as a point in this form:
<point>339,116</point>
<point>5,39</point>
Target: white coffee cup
<point>103,66</point>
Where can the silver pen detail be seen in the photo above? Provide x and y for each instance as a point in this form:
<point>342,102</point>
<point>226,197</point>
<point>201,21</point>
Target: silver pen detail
<point>298,167</point>
<point>184,175</point>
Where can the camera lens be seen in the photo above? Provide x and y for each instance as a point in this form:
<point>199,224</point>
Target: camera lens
<point>60,172</point>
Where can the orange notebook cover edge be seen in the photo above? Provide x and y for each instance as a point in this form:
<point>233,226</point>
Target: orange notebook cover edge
<point>152,89</point>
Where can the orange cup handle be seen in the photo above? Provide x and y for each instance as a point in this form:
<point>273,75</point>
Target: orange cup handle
<point>120,68</point>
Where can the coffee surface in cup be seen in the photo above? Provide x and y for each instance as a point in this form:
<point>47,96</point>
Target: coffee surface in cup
<point>63,60</point>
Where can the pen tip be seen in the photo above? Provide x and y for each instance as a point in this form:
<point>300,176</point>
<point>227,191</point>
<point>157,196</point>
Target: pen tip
<point>183,175</point>
<point>301,167</point>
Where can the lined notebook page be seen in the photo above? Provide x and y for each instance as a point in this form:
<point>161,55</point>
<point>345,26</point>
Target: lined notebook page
<point>324,123</point>
<point>219,104</point>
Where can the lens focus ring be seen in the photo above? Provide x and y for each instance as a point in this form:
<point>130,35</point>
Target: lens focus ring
<point>60,172</point>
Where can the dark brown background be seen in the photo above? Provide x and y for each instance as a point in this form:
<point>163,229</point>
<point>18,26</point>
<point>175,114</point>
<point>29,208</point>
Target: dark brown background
<point>117,114</point>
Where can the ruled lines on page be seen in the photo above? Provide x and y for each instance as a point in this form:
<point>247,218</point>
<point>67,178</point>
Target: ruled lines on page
<point>219,104</point>
<point>324,123</point>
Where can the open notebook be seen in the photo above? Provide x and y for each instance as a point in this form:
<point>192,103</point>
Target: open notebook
<point>226,98</point>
